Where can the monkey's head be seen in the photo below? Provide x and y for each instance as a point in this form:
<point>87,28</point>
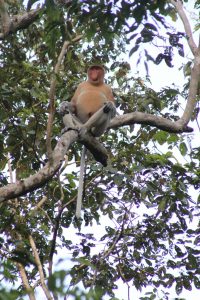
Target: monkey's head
<point>96,74</point>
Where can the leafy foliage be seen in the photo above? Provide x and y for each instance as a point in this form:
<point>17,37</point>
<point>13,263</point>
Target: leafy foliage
<point>145,194</point>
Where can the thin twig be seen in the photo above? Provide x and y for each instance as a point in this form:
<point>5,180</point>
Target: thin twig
<point>39,204</point>
<point>52,93</point>
<point>57,224</point>
<point>110,249</point>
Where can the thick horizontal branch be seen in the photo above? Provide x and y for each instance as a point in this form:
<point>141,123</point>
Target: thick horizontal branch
<point>148,119</point>
<point>37,180</point>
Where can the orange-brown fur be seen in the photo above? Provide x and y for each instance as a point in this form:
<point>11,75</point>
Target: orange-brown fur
<point>91,95</point>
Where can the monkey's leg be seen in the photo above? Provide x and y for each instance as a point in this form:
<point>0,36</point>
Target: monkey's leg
<point>103,121</point>
<point>100,119</point>
<point>80,187</point>
<point>101,125</point>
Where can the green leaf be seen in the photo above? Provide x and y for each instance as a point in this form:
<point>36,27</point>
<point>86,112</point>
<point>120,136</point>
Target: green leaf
<point>179,287</point>
<point>162,205</point>
<point>118,179</point>
<point>133,50</point>
<point>179,251</point>
<point>197,240</point>
<point>192,262</point>
<point>197,282</point>
<point>161,137</point>
<point>183,148</point>
<point>187,284</point>
<point>150,26</point>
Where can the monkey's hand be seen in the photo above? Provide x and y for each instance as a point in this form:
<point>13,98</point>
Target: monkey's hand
<point>109,107</point>
<point>70,121</point>
<point>66,108</point>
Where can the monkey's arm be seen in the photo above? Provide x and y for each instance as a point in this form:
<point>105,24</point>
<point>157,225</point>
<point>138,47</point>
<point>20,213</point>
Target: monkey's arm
<point>67,110</point>
<point>75,97</point>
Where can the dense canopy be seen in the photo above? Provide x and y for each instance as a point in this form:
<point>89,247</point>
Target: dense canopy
<point>140,220</point>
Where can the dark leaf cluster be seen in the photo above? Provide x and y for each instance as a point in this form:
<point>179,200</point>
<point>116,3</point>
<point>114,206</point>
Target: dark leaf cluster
<point>140,213</point>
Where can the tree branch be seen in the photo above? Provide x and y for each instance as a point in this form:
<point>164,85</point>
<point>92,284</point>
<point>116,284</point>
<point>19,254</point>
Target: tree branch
<point>22,187</point>
<point>95,147</point>
<point>40,270</point>
<point>5,19</point>
<point>179,8</point>
<point>25,282</point>
<point>195,71</point>
<point>39,179</point>
<point>16,22</point>
<point>193,91</point>
<point>148,119</point>
<point>52,93</point>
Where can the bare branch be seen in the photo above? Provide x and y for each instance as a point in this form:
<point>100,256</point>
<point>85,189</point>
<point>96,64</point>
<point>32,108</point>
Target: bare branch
<point>39,204</point>
<point>195,71</point>
<point>52,98</point>
<point>148,119</point>
<point>193,91</point>
<point>39,266</point>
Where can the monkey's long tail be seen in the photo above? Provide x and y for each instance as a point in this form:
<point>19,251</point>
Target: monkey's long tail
<point>80,187</point>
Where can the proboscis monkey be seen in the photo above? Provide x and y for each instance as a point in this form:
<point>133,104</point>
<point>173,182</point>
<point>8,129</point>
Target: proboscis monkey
<point>93,105</point>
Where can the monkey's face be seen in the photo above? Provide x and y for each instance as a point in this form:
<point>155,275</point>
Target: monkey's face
<point>95,75</point>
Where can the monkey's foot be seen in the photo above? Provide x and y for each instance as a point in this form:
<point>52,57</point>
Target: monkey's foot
<point>110,108</point>
<point>82,131</point>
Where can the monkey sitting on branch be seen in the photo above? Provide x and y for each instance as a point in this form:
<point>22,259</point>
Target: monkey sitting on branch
<point>93,107</point>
